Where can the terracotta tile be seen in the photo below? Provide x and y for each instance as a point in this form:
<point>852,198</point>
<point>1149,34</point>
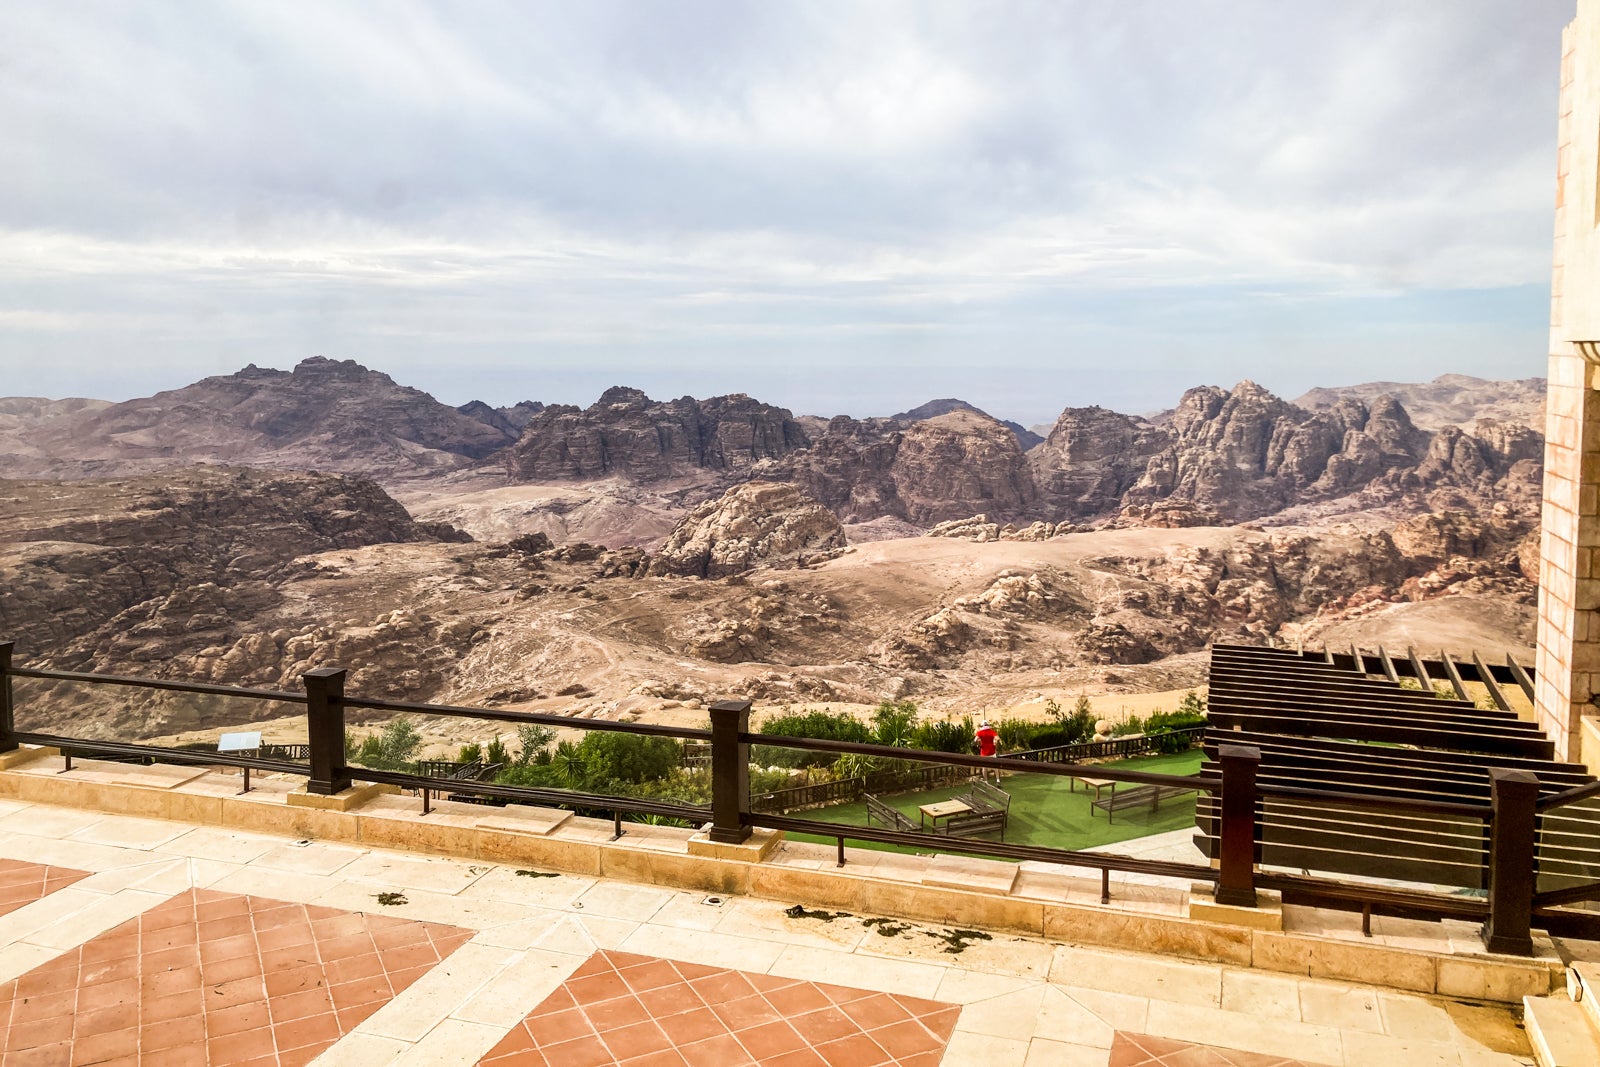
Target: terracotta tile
<point>390,934</point>
<point>856,1051</point>
<point>721,988</point>
<point>170,1033</point>
<point>247,990</point>
<point>582,1052</point>
<point>618,1011</point>
<point>721,1051</point>
<point>170,958</point>
<point>408,957</point>
<point>670,1000</point>
<point>746,1012</point>
<point>300,1005</point>
<point>872,1012</point>
<point>942,1022</point>
<point>402,980</point>
<point>347,946</point>
<point>354,994</point>
<point>171,937</point>
<point>560,1000</point>
<point>926,1059</point>
<point>908,1038</point>
<point>237,1019</point>
<point>691,1026</point>
<point>164,917</point>
<point>104,1045</point>
<point>349,968</point>
<point>295,979</point>
<point>664,1058</point>
<point>843,994</point>
<point>341,924</point>
<point>797,999</point>
<point>49,1006</point>
<point>242,1046</point>
<point>107,992</point>
<point>598,963</point>
<point>299,1057</point>
<point>287,959</point>
<point>513,1057</point>
<point>179,1056</point>
<point>45,1056</point>
<point>319,1030</point>
<point>350,1018</point>
<point>692,971</point>
<point>628,1042</point>
<point>562,1026</point>
<point>176,1005</point>
<point>34,1034</point>
<point>650,975</point>
<point>829,1024</point>
<point>226,926</point>
<point>105,1020</point>
<point>595,988</point>
<point>773,1039</point>
<point>804,1057</point>
<point>227,948</point>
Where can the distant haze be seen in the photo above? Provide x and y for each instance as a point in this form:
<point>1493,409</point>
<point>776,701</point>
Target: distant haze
<point>836,207</point>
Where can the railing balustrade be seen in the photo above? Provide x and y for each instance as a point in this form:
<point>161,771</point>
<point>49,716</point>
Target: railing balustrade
<point>1231,797</point>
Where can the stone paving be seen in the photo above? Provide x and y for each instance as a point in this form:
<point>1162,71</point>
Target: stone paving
<point>334,954</point>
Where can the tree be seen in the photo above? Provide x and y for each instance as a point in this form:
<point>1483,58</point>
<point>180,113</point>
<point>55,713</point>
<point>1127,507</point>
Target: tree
<point>531,740</point>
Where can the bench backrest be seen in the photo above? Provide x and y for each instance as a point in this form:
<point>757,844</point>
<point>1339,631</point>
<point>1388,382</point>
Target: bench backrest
<point>991,796</point>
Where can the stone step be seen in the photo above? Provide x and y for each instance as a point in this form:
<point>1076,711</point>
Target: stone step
<point>1560,1032</point>
<point>1583,986</point>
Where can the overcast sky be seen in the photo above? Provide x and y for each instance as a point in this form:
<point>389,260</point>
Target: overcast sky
<point>849,207</point>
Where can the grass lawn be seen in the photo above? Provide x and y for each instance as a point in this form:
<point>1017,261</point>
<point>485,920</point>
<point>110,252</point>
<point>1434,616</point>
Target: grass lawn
<point>1043,810</point>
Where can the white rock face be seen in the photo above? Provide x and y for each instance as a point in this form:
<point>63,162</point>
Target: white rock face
<point>755,523</point>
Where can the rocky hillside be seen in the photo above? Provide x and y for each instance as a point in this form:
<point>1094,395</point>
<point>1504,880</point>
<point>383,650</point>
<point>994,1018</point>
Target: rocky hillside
<point>127,573</point>
<point>757,523</point>
<point>324,415</point>
<point>626,434</point>
<point>1449,400</point>
<point>934,408</point>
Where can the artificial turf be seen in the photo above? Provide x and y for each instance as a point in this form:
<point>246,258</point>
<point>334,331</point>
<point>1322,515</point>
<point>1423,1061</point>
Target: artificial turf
<point>1044,811</point>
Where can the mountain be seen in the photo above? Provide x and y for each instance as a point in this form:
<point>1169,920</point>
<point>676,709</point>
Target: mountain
<point>324,415</point>
<point>1448,400</point>
<point>626,434</point>
<point>934,408</point>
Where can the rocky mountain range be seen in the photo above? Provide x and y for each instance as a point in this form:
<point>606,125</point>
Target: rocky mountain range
<point>1222,455</point>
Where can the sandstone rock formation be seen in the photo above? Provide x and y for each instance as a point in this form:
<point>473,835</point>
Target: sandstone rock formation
<point>627,434</point>
<point>1448,400</point>
<point>1026,438</point>
<point>324,415</point>
<point>757,523</point>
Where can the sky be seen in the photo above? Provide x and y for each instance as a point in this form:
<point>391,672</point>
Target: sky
<point>837,207</point>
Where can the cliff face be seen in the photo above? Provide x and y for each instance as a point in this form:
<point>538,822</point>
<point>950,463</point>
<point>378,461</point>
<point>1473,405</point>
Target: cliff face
<point>176,556</point>
<point>324,415</point>
<point>936,469</point>
<point>1091,458</point>
<point>754,523</point>
<point>627,434</point>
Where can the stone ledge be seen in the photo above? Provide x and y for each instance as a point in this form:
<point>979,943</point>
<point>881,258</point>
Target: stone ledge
<point>347,800</point>
<point>1266,915</point>
<point>757,847</point>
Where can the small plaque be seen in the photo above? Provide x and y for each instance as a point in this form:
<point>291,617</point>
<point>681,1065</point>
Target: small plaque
<point>245,741</point>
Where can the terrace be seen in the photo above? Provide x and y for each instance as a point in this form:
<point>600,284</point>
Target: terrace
<point>553,920</point>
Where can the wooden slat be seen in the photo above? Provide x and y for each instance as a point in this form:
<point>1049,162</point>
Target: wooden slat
<point>1388,665</point>
<point>1521,676</point>
<point>1420,670</point>
<point>1355,654</point>
<point>1487,678</point>
<point>1455,675</point>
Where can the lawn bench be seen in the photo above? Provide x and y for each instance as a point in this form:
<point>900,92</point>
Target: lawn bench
<point>891,817</point>
<point>989,801</point>
<point>1139,794</point>
<point>973,823</point>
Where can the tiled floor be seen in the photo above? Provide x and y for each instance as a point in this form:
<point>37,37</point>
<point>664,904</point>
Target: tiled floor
<point>217,978</point>
<point>303,929</point>
<point>1142,1050</point>
<point>641,1011</point>
<point>22,883</point>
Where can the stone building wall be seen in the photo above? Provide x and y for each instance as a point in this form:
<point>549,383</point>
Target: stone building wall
<point>1569,580</point>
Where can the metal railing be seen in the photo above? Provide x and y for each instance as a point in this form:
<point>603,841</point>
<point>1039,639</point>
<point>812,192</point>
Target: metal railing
<point>1230,797</point>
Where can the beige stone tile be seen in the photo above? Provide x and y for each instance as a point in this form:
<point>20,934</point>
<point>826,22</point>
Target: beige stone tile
<point>46,820</point>
<point>1352,962</point>
<point>1012,1015</point>
<point>1365,1050</point>
<point>361,1050</point>
<point>961,986</point>
<point>617,900</point>
<point>1043,1052</point>
<point>1346,1007</point>
<point>22,924</point>
<point>421,904</point>
<point>126,832</point>
<point>1274,996</point>
<point>313,857</point>
<point>518,989</point>
<point>863,972</point>
<point>606,933</point>
<point>451,1043</point>
<point>1471,1057</point>
<point>9,807</point>
<point>432,873</point>
<point>254,880</point>
<point>1145,976</point>
<point>766,921</point>
<point>1492,980</point>
<point>502,882</point>
<point>1485,1028</point>
<point>1413,1018</point>
<point>213,843</point>
<point>717,950</point>
<point>1061,1018</point>
<point>970,873</point>
<point>80,855</point>
<point>432,998</point>
<point>1120,1011</point>
<point>72,930</point>
<point>18,959</point>
<point>1231,1029</point>
<point>981,1050</point>
<point>690,912</point>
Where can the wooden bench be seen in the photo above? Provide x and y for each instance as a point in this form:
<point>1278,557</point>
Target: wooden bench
<point>1139,794</point>
<point>989,801</point>
<point>891,818</point>
<point>973,823</point>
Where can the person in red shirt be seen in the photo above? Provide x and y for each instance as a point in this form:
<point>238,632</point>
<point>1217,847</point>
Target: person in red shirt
<point>988,738</point>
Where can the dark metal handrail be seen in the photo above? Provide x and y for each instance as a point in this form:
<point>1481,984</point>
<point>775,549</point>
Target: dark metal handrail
<point>158,683</point>
<point>203,757</point>
<point>685,733</point>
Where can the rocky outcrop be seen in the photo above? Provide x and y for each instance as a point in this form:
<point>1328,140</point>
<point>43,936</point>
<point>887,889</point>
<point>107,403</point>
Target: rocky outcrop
<point>754,524</point>
<point>626,434</point>
<point>937,469</point>
<point>508,421</point>
<point>1448,400</point>
<point>1026,438</point>
<point>142,563</point>
<point>1091,458</point>
<point>324,415</point>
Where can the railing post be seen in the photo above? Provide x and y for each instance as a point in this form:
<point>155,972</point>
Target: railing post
<point>325,730</point>
<point>1237,852</point>
<point>730,771</point>
<point>1513,795</point>
<point>8,720</point>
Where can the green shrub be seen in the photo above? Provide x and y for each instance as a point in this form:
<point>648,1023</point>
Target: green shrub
<point>470,753</point>
<point>1015,734</point>
<point>941,736</point>
<point>821,725</point>
<point>533,741</point>
<point>496,752</point>
<point>617,757</point>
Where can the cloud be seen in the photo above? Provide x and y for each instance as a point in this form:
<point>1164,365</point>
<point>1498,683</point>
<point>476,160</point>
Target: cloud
<point>627,178</point>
